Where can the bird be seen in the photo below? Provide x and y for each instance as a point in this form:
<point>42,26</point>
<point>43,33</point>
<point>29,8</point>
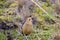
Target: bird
<point>27,27</point>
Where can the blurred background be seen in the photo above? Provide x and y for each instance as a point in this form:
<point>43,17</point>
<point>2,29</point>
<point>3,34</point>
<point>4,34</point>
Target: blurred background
<point>45,15</point>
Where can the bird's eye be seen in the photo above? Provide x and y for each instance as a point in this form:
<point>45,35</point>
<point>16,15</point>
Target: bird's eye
<point>29,19</point>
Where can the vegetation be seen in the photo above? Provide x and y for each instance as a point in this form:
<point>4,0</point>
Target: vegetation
<point>45,25</point>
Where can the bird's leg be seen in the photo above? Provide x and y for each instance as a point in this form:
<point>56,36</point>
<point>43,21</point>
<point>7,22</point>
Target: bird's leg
<point>26,37</point>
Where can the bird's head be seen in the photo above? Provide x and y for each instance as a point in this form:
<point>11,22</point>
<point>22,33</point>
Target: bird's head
<point>29,19</point>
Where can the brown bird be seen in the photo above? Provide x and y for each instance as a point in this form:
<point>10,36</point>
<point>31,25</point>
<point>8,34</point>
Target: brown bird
<point>27,27</point>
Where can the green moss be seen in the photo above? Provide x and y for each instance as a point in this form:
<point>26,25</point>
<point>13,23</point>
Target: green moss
<point>20,38</point>
<point>46,28</point>
<point>4,18</point>
<point>13,5</point>
<point>14,34</point>
<point>2,36</point>
<point>2,12</point>
<point>39,14</point>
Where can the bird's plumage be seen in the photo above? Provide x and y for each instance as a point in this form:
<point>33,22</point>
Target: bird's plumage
<point>27,27</point>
